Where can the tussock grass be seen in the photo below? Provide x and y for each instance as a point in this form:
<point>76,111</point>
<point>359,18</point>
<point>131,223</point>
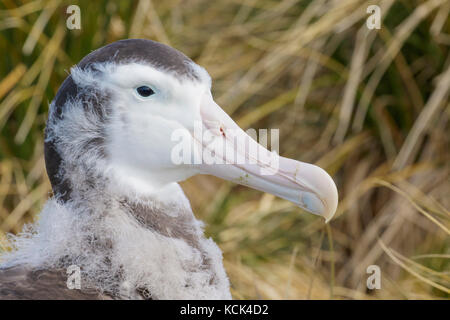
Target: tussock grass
<point>371,107</point>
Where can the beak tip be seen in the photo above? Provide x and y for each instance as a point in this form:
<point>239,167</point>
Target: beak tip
<point>332,203</point>
<point>325,201</point>
<point>329,218</point>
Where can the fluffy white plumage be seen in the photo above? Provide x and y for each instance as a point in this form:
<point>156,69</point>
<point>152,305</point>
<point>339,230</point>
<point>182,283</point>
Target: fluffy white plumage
<point>168,267</point>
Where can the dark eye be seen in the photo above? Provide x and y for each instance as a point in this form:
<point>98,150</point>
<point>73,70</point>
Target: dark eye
<point>145,91</point>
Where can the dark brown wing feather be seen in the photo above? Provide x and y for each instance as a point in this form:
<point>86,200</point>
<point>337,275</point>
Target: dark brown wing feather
<point>20,283</point>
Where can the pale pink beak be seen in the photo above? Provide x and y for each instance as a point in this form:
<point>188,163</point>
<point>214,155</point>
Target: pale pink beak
<point>239,158</point>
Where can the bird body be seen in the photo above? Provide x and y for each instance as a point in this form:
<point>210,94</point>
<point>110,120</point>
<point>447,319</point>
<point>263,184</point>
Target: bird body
<point>118,213</point>
<point>125,249</point>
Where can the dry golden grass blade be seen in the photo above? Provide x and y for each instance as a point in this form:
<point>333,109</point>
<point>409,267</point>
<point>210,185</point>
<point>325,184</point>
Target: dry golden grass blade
<point>390,253</point>
<point>291,268</point>
<point>438,275</point>
<point>440,19</point>
<point>402,33</point>
<point>332,264</point>
<point>307,77</point>
<point>316,258</point>
<point>277,103</point>
<point>37,172</point>
<point>409,82</point>
<point>23,207</point>
<point>363,40</point>
<point>12,100</point>
<point>43,40</point>
<point>23,10</point>
<point>267,108</point>
<point>11,79</point>
<point>33,72</point>
<point>422,256</point>
<point>388,223</point>
<point>268,67</point>
<point>138,21</point>
<point>436,101</point>
<point>334,156</point>
<point>443,39</point>
<point>426,201</point>
<point>39,26</point>
<point>385,124</point>
<point>46,71</point>
<point>5,185</point>
<point>156,25</point>
<point>4,244</point>
<point>413,203</point>
<point>245,10</point>
<point>11,23</point>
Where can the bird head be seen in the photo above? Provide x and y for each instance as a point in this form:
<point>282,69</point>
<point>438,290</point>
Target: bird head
<point>142,113</point>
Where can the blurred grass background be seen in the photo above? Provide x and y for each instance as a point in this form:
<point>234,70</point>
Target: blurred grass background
<point>369,106</point>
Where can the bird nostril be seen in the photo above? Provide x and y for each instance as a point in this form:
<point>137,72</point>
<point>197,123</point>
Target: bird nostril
<point>222,131</point>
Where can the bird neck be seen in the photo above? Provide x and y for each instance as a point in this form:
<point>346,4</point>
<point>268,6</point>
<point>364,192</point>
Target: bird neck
<point>126,245</point>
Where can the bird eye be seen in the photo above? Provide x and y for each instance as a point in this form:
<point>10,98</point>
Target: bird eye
<point>145,91</point>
